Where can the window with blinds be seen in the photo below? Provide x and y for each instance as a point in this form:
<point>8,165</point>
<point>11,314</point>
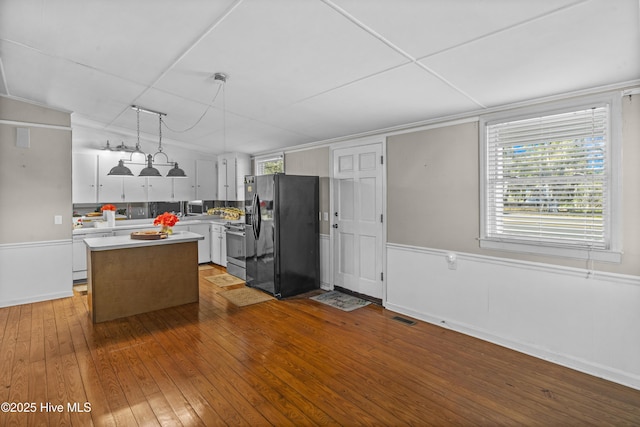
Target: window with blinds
<point>546,180</point>
<point>269,165</point>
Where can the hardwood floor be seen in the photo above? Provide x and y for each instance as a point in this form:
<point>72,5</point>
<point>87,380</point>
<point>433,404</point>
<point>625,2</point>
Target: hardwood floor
<point>292,362</point>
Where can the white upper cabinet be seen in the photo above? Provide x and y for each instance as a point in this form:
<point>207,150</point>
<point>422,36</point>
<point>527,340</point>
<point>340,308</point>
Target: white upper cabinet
<point>232,167</point>
<point>109,187</point>
<point>206,180</point>
<point>92,184</point>
<point>84,173</point>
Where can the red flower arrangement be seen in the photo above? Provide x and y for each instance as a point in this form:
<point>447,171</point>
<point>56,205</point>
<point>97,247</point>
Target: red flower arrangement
<point>107,208</point>
<point>166,220</point>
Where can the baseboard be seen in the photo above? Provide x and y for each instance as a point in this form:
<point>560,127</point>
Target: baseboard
<point>35,271</point>
<point>623,378</point>
<point>36,298</point>
<point>573,317</point>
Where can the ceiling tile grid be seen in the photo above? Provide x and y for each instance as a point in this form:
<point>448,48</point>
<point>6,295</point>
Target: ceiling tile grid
<point>301,71</point>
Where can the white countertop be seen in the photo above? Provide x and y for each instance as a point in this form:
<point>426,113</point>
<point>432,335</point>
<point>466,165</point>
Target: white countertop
<point>126,242</point>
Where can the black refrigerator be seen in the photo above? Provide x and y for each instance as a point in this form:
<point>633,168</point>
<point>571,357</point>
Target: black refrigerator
<point>282,233</point>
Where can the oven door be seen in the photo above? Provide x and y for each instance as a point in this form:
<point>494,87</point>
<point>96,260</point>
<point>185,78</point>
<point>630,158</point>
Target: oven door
<point>236,252</point>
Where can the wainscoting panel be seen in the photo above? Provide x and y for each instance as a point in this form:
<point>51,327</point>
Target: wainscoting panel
<point>35,271</point>
<point>582,319</point>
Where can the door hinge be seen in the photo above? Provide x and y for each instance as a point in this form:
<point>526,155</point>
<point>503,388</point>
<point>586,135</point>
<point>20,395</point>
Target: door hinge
<point>381,218</point>
<point>381,276</point>
<point>382,160</point>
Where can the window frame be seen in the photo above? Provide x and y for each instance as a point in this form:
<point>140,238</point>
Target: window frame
<point>267,158</point>
<point>613,219</point>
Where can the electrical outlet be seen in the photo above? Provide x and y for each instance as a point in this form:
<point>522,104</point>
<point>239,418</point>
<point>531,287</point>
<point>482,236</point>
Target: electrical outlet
<point>452,261</point>
<point>57,219</point>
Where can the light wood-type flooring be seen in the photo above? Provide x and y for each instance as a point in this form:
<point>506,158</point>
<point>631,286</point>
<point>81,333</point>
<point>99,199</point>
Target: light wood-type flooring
<point>293,362</point>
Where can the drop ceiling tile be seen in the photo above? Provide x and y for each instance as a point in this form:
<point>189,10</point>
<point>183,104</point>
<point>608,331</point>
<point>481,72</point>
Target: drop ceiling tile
<point>184,120</point>
<point>251,136</point>
<point>421,28</point>
<point>277,53</point>
<point>593,44</point>
<point>135,40</point>
<point>63,84</point>
<point>397,97</point>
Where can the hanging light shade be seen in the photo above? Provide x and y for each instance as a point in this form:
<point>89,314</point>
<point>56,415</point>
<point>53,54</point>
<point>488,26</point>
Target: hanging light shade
<point>120,170</point>
<point>176,172</point>
<point>149,170</point>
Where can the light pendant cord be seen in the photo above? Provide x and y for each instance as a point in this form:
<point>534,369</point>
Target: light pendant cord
<point>201,117</point>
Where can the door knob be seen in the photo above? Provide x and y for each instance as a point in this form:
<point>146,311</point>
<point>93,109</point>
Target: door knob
<point>335,225</point>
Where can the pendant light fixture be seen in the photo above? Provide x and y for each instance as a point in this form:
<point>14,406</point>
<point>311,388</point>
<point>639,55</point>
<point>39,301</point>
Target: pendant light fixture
<point>149,170</point>
<point>120,170</point>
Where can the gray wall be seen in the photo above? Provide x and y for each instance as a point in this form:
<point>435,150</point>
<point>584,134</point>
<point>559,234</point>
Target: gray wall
<point>314,161</point>
<point>35,182</point>
<point>433,192</point>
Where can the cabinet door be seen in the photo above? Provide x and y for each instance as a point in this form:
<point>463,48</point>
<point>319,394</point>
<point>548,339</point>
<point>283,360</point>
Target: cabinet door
<point>206,180</point>
<point>84,173</point>
<point>109,187</point>
<point>185,188</point>
<point>159,189</point>
<point>216,248</point>
<point>243,168</point>
<point>223,248</point>
<point>232,168</point>
<point>134,189</point>
<point>204,246</point>
<point>226,177</point>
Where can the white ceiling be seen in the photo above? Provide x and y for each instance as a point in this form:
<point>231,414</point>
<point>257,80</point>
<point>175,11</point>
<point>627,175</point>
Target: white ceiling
<point>301,71</point>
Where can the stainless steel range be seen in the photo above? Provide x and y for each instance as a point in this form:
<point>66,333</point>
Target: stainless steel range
<point>236,252</point>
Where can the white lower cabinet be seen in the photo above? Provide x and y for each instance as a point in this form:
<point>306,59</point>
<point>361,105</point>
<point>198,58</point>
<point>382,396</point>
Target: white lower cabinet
<point>80,254</point>
<point>219,245</point>
<point>204,246</point>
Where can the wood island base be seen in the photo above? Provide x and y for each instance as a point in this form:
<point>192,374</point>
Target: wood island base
<point>128,281</point>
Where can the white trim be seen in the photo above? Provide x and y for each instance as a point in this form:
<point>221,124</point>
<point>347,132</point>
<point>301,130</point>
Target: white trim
<point>20,283</point>
<point>325,263</point>
<point>525,265</point>
<point>332,208</point>
<point>581,365</point>
<point>33,125</point>
<point>35,298</point>
<point>570,316</point>
<point>539,249</point>
<point>614,214</point>
<point>35,103</point>
<point>464,117</point>
<point>38,244</point>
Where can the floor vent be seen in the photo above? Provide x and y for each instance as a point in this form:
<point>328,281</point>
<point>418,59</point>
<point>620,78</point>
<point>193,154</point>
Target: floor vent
<point>403,320</point>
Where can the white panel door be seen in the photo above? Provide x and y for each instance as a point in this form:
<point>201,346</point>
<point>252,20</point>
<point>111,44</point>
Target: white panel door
<point>357,225</point>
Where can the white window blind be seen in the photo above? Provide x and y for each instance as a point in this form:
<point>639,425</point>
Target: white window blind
<point>546,180</point>
<point>269,165</point>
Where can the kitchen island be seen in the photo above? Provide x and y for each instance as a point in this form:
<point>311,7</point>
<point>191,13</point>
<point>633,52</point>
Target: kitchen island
<point>127,276</point>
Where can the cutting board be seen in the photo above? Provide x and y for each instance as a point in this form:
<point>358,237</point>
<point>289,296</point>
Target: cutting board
<point>148,235</point>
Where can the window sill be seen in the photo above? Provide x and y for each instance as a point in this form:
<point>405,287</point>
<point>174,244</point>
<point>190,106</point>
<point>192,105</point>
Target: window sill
<point>567,252</point>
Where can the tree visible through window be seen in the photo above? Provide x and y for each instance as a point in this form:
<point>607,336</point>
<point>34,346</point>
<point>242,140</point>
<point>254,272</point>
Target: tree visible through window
<point>269,165</point>
<point>546,180</point>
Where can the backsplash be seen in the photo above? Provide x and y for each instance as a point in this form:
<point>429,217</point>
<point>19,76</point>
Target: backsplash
<point>141,210</point>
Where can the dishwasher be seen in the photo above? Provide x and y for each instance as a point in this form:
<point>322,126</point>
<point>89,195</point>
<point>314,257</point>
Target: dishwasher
<point>236,250</point>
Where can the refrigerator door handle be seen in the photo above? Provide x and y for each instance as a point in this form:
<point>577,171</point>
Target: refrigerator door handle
<point>254,213</point>
<point>259,216</point>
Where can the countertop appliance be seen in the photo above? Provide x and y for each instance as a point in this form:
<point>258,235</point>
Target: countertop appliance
<point>282,233</point>
<point>236,252</point>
